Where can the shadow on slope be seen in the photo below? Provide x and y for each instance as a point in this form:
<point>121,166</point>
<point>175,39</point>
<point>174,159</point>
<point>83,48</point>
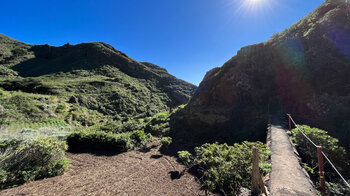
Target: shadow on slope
<point>188,133</point>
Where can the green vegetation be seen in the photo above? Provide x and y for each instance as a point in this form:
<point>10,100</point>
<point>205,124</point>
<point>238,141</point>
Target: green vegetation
<point>226,168</point>
<point>99,140</point>
<point>99,76</point>
<point>185,157</point>
<point>166,141</point>
<point>90,94</point>
<point>332,148</point>
<point>23,162</point>
<point>98,98</point>
<point>159,124</point>
<point>89,86</point>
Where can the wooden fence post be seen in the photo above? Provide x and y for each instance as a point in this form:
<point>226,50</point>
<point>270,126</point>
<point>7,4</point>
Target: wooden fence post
<point>321,170</point>
<point>290,123</point>
<point>255,173</point>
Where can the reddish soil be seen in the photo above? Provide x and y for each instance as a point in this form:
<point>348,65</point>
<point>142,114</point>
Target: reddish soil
<point>131,173</point>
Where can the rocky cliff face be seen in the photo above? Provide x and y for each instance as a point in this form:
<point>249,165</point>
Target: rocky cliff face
<point>304,71</point>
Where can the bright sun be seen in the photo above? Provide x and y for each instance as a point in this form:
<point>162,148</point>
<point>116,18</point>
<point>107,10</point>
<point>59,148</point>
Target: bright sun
<point>254,1</point>
<point>255,7</point>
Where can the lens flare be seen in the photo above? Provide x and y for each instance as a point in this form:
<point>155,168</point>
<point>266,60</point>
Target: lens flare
<point>254,1</point>
<point>254,7</point>
<point>255,4</point>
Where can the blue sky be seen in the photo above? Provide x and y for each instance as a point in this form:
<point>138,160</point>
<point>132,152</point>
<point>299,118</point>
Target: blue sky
<point>187,37</point>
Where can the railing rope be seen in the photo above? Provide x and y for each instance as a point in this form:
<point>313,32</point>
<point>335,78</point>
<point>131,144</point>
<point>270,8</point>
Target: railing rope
<point>329,161</point>
<point>290,117</point>
<point>320,156</point>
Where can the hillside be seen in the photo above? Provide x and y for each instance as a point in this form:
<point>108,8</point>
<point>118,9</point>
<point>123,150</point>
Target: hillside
<point>303,71</point>
<point>84,84</point>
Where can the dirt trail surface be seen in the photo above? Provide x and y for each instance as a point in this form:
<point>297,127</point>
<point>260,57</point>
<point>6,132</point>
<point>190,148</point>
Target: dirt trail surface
<point>131,173</point>
<point>287,176</point>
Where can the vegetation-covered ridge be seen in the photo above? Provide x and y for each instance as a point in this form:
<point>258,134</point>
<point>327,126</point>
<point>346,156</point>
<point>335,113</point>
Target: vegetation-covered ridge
<point>303,70</point>
<point>89,96</point>
<point>87,83</point>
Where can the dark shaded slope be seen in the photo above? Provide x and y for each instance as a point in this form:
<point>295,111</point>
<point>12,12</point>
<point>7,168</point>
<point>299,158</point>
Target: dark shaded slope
<point>49,59</point>
<point>304,71</point>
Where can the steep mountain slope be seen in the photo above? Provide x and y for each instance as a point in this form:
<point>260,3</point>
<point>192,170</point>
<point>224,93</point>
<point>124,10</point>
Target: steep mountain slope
<point>88,82</point>
<point>304,71</point>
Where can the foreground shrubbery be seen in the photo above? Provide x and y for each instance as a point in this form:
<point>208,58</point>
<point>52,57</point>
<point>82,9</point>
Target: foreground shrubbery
<point>226,168</point>
<point>23,162</point>
<point>331,148</point>
<point>99,140</point>
<point>166,141</point>
<point>159,124</point>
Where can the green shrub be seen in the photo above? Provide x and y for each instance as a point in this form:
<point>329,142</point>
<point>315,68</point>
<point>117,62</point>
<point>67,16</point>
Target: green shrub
<point>166,141</point>
<point>60,108</point>
<point>20,163</point>
<point>3,176</point>
<point>110,127</point>
<point>6,144</point>
<point>331,147</point>
<point>159,125</point>
<point>99,140</point>
<point>185,157</point>
<point>130,126</point>
<point>140,138</point>
<point>337,188</point>
<point>226,168</point>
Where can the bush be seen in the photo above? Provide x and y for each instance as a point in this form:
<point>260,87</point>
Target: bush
<point>6,144</point>
<point>60,108</point>
<point>226,168</point>
<point>99,140</point>
<point>166,141</point>
<point>140,138</point>
<point>20,163</point>
<point>159,125</point>
<point>130,126</point>
<point>337,188</point>
<point>185,157</point>
<point>331,148</point>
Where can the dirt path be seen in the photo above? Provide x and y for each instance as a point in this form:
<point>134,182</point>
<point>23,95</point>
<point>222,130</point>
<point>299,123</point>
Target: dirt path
<point>131,173</point>
<point>287,176</point>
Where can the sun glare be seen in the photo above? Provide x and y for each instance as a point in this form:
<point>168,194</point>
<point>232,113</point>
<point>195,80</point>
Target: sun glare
<point>255,3</point>
<point>254,7</point>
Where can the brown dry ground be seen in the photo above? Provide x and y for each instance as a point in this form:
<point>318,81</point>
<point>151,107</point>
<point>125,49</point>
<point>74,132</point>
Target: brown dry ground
<point>132,173</point>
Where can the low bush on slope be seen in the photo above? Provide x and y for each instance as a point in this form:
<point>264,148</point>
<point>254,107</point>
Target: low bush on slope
<point>331,148</point>
<point>99,140</point>
<point>23,162</point>
<point>226,168</point>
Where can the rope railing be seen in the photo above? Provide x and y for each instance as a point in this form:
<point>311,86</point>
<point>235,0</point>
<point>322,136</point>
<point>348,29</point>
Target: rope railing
<point>320,150</point>
<point>329,161</point>
<point>290,117</point>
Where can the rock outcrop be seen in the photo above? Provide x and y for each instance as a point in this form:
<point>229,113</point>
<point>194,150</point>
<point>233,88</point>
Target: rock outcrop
<point>304,71</point>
